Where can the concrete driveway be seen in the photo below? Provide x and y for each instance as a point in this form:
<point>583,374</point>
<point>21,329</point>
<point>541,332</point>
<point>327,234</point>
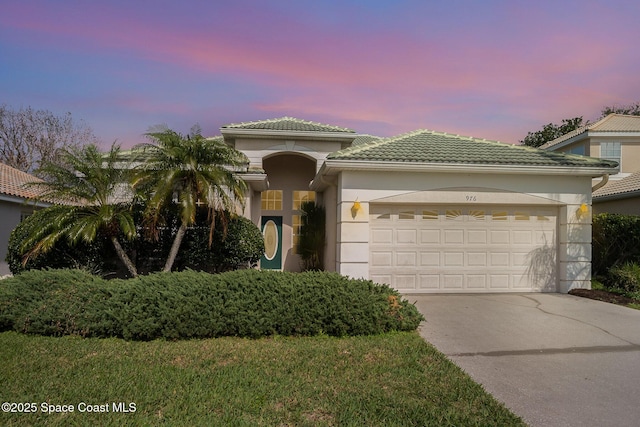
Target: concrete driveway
<point>553,359</point>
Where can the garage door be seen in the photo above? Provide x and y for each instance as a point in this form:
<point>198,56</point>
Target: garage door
<point>463,248</point>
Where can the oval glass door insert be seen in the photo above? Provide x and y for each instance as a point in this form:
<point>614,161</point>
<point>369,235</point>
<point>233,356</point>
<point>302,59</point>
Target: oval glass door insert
<point>270,232</point>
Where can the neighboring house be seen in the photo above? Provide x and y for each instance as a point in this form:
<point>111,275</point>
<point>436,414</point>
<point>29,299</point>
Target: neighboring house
<point>615,137</point>
<point>620,196</point>
<point>424,211</point>
<point>16,203</point>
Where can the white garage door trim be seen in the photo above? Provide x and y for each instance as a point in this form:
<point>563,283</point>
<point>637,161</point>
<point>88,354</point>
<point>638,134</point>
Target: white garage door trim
<point>464,248</point>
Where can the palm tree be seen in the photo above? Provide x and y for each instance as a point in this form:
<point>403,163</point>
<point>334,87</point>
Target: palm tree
<point>191,171</point>
<point>88,188</point>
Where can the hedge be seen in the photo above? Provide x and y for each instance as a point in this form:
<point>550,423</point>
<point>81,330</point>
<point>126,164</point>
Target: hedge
<point>189,304</point>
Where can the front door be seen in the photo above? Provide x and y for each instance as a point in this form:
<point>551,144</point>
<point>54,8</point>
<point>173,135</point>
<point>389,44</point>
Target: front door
<point>272,233</point>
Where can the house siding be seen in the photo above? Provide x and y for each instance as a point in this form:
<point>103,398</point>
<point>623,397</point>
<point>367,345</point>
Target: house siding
<point>566,194</point>
<point>10,212</point>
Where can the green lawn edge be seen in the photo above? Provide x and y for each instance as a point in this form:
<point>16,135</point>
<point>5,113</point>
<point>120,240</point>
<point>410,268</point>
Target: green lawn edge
<point>392,379</point>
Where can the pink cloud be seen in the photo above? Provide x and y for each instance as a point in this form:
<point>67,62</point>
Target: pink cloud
<point>395,79</point>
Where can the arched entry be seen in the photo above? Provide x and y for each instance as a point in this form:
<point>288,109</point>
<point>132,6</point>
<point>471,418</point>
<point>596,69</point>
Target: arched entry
<point>289,176</point>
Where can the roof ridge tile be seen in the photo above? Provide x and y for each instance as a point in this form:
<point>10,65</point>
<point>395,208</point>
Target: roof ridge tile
<point>333,128</point>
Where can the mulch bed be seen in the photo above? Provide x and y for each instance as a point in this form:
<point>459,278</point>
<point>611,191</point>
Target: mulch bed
<point>603,296</point>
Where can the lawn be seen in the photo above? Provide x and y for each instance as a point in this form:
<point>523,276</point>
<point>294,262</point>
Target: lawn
<point>392,379</point>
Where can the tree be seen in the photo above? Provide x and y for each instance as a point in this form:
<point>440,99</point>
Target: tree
<point>631,109</point>
<point>88,189</point>
<point>29,138</point>
<point>191,171</point>
<point>552,131</point>
<point>312,236</point>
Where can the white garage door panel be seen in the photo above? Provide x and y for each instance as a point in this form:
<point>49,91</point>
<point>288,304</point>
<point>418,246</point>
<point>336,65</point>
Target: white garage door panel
<point>463,248</point>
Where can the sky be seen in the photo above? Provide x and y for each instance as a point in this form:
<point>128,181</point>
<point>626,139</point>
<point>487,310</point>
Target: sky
<point>484,68</point>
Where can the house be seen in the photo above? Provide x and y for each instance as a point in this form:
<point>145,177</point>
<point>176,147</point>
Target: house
<point>424,211</point>
<point>16,203</point>
<point>614,137</point>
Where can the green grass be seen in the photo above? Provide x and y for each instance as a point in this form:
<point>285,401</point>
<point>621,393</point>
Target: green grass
<point>394,379</point>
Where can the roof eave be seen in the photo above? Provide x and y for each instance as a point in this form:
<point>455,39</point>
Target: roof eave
<point>256,181</point>
<point>332,166</point>
<point>590,134</point>
<point>568,141</point>
<point>617,196</point>
<point>23,200</point>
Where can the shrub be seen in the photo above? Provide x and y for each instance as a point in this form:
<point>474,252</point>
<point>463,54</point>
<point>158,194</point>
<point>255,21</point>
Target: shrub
<point>62,255</point>
<point>312,236</point>
<point>616,241</point>
<point>189,304</point>
<point>54,302</point>
<point>240,247</point>
<point>625,277</point>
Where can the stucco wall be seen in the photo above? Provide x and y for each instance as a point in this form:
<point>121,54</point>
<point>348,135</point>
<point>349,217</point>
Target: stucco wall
<point>565,193</point>
<point>629,206</point>
<point>330,203</point>
<point>10,213</point>
<point>257,149</point>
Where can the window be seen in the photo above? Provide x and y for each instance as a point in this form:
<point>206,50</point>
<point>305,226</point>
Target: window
<point>499,215</point>
<point>430,215</point>
<point>406,215</point>
<point>577,150</point>
<point>477,215</point>
<point>271,200</point>
<point>299,197</point>
<point>452,214</point>
<point>610,151</point>
<point>25,215</point>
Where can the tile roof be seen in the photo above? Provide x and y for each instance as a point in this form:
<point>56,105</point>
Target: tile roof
<point>426,146</point>
<point>288,124</point>
<point>12,183</point>
<point>629,184</point>
<point>364,139</point>
<point>611,123</point>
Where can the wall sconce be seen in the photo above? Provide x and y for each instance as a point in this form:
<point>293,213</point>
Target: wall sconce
<point>582,210</point>
<point>355,208</point>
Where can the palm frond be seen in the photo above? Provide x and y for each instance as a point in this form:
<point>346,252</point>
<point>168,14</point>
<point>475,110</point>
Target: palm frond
<point>87,183</point>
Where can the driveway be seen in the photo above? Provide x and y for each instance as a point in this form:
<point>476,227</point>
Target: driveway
<point>553,359</point>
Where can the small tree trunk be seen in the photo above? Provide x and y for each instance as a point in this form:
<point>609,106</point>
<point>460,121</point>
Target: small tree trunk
<point>173,253</point>
<point>123,257</point>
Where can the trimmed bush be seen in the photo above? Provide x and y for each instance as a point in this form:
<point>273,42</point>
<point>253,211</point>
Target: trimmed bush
<point>189,304</point>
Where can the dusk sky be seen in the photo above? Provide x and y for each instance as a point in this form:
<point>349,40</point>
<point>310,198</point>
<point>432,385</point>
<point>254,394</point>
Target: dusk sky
<point>485,68</point>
